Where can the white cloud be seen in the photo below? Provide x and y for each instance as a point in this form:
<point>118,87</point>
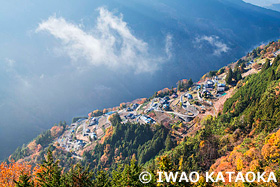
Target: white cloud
<point>214,41</point>
<point>262,2</point>
<point>111,43</point>
<point>168,45</point>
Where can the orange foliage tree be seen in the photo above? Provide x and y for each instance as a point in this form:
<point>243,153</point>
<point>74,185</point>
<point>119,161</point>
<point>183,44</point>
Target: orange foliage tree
<point>12,171</point>
<point>56,131</point>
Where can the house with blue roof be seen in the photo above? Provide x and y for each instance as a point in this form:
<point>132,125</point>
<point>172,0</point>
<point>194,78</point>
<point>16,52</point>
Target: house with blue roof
<point>189,96</point>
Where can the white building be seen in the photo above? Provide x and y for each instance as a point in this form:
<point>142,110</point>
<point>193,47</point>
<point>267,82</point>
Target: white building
<point>221,88</point>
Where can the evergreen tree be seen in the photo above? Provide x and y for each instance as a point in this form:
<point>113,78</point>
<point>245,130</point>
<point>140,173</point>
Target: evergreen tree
<point>238,76</point>
<point>117,176</point>
<point>237,73</point>
<point>190,82</point>
<point>116,119</point>
<point>276,61</point>
<point>242,67</point>
<point>179,86</point>
<point>221,71</point>
<point>229,76</point>
<point>266,65</point>
<point>78,176</point>
<point>240,61</point>
<point>51,172</point>
<point>24,181</point>
<point>130,174</point>
<point>168,143</point>
<point>102,179</point>
<point>272,76</point>
<point>254,53</point>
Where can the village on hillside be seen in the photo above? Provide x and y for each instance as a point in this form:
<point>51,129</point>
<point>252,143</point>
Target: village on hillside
<point>175,108</point>
<point>181,110</point>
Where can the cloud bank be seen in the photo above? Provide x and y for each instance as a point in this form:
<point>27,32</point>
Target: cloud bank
<point>218,46</point>
<point>111,43</point>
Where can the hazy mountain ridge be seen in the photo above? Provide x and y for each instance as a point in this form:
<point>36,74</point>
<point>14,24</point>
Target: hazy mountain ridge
<point>275,7</point>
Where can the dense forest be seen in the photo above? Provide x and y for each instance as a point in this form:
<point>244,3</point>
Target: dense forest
<point>128,141</point>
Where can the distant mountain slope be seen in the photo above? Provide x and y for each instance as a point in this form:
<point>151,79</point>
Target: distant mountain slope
<point>275,7</point>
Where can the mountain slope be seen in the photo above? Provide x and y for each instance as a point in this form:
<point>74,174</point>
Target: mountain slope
<point>243,137</point>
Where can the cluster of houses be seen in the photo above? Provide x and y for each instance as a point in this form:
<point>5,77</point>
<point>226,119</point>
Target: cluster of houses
<point>130,116</point>
<point>88,133</point>
<point>164,103</point>
<point>134,107</point>
<point>210,85</point>
<point>74,145</point>
<point>143,118</point>
<point>147,119</point>
<point>93,121</point>
<point>80,144</point>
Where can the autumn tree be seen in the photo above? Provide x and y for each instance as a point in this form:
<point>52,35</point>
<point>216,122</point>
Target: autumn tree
<point>11,172</point>
<point>97,113</point>
<point>115,118</point>
<point>122,105</point>
<point>164,163</point>
<point>105,111</point>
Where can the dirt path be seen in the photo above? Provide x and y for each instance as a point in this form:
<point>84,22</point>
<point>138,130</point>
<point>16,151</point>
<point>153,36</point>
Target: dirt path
<point>251,71</point>
<point>219,105</point>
